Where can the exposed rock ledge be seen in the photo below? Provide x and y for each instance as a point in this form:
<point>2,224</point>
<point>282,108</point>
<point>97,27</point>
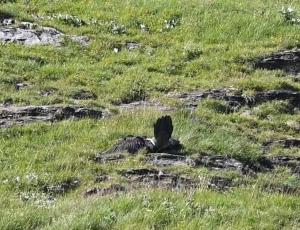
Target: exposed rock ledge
<point>27,33</point>
<point>29,114</point>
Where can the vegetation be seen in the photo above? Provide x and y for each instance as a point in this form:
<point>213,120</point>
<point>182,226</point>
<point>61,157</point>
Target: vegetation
<point>183,46</point>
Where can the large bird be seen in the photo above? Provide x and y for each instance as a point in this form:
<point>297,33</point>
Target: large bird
<point>162,141</point>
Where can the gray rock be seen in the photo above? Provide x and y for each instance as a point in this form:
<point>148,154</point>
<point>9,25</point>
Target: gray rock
<point>132,46</point>
<point>63,187</point>
<point>27,33</point>
<point>218,162</point>
<point>8,21</point>
<point>83,95</point>
<point>287,61</point>
<point>113,189</point>
<point>167,159</point>
<point>220,183</point>
<point>28,114</point>
<point>235,98</point>
<point>21,85</point>
<point>144,105</point>
<point>157,178</point>
<point>285,143</point>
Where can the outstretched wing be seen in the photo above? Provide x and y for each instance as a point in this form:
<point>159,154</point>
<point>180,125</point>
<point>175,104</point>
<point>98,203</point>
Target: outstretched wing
<point>128,144</point>
<point>163,129</point>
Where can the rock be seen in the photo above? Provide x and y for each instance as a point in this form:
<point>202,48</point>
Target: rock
<point>144,27</point>
<point>287,61</point>
<point>157,178</point>
<point>20,86</point>
<point>107,157</point>
<point>47,92</point>
<point>8,21</point>
<point>166,159</point>
<point>84,95</point>
<point>101,178</point>
<point>294,125</point>
<point>81,40</point>
<point>22,115</point>
<point>218,162</point>
<point>220,183</point>
<point>27,25</point>
<point>286,161</point>
<point>172,22</point>
<point>117,29</point>
<point>27,33</point>
<point>285,143</point>
<point>132,46</point>
<point>296,170</point>
<point>144,105</point>
<point>45,36</point>
<point>115,188</point>
<point>235,98</point>
<point>282,188</point>
<point>62,187</point>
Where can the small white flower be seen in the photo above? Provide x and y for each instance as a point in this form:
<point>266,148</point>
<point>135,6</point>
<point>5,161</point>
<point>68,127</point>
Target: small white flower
<point>18,179</point>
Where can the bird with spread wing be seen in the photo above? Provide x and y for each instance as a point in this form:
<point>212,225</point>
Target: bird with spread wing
<point>162,141</point>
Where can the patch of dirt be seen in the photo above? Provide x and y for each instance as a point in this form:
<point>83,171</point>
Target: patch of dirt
<point>63,187</point>
<point>28,114</point>
<point>287,61</point>
<point>235,98</point>
<point>113,189</point>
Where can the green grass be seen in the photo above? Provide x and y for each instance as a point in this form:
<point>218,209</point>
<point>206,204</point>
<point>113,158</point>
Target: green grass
<point>213,45</point>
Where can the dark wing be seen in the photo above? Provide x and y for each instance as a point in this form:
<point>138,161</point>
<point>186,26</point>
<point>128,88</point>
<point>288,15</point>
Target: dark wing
<point>163,129</point>
<point>128,144</point>
<point>173,147</point>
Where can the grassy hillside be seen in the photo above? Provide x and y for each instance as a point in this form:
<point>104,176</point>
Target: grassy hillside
<point>181,46</point>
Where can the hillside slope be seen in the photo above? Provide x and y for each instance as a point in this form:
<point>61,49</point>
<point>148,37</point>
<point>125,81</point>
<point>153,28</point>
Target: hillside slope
<point>77,77</point>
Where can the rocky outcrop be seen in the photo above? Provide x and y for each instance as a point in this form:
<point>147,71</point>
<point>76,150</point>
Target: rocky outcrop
<point>63,187</point>
<point>157,178</point>
<point>113,189</point>
<point>285,143</point>
<point>166,159</point>
<point>235,98</point>
<point>29,114</point>
<point>27,33</point>
<point>144,105</point>
<point>287,61</point>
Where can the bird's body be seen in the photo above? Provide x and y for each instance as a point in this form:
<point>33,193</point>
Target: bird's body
<point>162,141</point>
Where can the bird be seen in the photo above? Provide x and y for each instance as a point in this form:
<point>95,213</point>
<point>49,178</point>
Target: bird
<point>160,143</point>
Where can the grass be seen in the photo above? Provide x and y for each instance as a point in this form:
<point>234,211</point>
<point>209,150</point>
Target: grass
<point>212,45</point>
